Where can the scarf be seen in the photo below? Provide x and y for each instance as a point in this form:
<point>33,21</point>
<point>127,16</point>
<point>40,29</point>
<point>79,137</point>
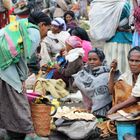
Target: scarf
<point>74,42</point>
<point>93,84</point>
<point>60,23</point>
<point>14,42</point>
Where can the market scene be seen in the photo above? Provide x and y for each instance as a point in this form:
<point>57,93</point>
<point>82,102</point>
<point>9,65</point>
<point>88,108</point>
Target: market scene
<point>69,69</point>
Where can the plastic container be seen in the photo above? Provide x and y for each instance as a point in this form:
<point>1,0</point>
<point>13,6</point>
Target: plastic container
<point>125,127</point>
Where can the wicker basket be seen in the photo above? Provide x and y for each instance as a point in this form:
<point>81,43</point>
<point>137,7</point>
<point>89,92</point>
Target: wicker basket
<point>41,118</point>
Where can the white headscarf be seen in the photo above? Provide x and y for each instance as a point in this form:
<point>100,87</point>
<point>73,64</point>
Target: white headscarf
<point>60,23</point>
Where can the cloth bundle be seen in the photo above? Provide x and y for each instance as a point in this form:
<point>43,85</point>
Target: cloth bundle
<point>79,130</point>
<point>104,18</point>
<point>55,87</point>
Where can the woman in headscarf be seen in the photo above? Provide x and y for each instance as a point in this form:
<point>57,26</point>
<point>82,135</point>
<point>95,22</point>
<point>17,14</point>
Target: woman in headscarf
<point>54,42</point>
<point>73,54</point>
<point>18,41</point>
<point>92,81</point>
<point>86,43</point>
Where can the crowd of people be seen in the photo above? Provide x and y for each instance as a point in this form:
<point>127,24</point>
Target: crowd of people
<point>46,36</point>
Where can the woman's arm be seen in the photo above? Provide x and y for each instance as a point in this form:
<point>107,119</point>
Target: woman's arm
<point>111,76</point>
<point>111,82</point>
<point>73,67</point>
<point>130,101</point>
<point>22,70</point>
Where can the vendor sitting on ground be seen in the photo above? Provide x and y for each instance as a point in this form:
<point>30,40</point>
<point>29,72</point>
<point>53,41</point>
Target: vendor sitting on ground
<point>73,54</point>
<point>130,78</point>
<point>92,81</point>
<point>86,42</point>
<point>56,37</point>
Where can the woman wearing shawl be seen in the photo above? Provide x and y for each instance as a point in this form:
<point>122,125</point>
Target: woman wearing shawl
<point>92,81</point>
<point>18,41</point>
<point>73,54</point>
<point>54,41</point>
<point>86,43</point>
<point>114,28</point>
<point>131,79</point>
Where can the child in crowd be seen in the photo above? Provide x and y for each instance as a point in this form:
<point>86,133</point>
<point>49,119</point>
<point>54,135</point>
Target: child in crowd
<point>73,54</point>
<point>86,43</point>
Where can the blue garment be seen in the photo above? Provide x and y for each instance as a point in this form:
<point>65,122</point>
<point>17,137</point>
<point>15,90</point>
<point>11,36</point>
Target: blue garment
<point>61,61</point>
<point>123,37</point>
<point>136,39</point>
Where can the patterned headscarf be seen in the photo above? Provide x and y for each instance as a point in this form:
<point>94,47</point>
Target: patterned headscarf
<point>74,42</point>
<point>60,23</point>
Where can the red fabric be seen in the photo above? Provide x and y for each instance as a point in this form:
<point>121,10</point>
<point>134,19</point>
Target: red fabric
<point>137,19</point>
<point>22,16</point>
<point>11,10</point>
<point>4,19</point>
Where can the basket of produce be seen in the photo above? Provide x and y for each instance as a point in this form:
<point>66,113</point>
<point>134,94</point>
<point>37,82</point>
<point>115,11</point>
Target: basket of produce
<point>41,115</point>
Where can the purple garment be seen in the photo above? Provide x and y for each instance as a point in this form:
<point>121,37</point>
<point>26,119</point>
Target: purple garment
<point>83,8</point>
<point>71,25</point>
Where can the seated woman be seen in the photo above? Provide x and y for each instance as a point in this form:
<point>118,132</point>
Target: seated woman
<point>73,54</point>
<point>86,43</point>
<point>132,79</point>
<point>55,39</point>
<point>92,81</point>
<point>69,18</point>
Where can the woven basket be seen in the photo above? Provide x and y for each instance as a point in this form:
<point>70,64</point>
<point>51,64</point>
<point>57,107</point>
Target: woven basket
<point>41,118</point>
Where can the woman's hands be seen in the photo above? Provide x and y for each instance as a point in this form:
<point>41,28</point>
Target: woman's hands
<point>63,52</point>
<point>23,87</point>
<point>112,110</point>
<point>113,65</point>
<point>56,66</point>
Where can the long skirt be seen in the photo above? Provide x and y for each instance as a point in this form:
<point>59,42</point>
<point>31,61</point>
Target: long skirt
<point>15,112</point>
<point>117,51</point>
<point>4,19</point>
